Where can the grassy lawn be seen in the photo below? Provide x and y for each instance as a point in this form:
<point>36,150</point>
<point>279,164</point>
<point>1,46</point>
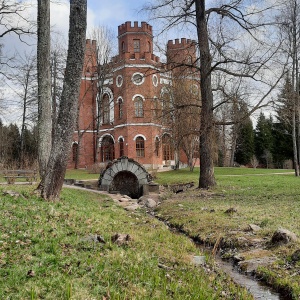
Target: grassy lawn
<point>80,174</point>
<point>269,201</point>
<point>185,175</point>
<point>46,253</point>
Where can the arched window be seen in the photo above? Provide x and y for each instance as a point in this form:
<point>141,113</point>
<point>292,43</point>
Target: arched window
<point>168,153</point>
<point>139,107</point>
<point>105,109</point>
<point>107,149</point>
<point>156,146</point>
<point>120,108</point>
<point>123,46</point>
<point>140,146</point>
<point>121,144</point>
<point>74,152</point>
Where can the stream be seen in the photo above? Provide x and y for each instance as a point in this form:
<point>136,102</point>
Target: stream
<point>255,287</point>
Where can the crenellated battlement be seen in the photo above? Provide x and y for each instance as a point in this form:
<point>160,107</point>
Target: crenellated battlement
<point>183,43</point>
<point>90,47</point>
<point>127,27</point>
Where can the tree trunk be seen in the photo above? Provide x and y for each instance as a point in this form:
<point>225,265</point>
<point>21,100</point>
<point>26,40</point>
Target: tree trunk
<point>66,121</point>
<point>294,136</point>
<point>54,93</point>
<point>44,85</point>
<point>23,126</point>
<point>207,178</point>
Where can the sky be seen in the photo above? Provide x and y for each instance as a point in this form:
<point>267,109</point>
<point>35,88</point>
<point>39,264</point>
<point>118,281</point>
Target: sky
<point>102,12</point>
<point>109,13</point>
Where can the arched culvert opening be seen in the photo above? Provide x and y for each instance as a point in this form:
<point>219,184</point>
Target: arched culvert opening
<point>126,183</point>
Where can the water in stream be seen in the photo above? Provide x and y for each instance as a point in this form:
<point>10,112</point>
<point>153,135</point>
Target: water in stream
<point>258,290</point>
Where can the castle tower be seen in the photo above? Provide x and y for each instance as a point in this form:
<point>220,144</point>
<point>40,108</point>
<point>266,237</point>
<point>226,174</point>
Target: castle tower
<point>137,41</point>
<point>181,55</point>
<point>135,85</point>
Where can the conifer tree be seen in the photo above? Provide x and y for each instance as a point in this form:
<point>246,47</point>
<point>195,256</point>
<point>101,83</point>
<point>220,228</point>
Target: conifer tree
<point>264,140</point>
<point>245,143</point>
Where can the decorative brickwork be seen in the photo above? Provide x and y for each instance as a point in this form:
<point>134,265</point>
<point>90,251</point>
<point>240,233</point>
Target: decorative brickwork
<point>131,120</point>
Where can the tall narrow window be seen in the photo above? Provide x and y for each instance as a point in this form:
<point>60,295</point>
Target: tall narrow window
<point>149,47</point>
<point>121,144</point>
<point>123,46</point>
<point>120,106</point>
<point>168,153</point>
<point>74,152</point>
<point>105,109</point>
<point>156,146</point>
<point>139,107</point>
<point>136,45</point>
<point>140,146</point>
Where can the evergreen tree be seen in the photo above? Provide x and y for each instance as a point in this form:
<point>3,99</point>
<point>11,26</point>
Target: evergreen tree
<point>284,105</point>
<point>245,143</point>
<point>11,145</point>
<point>264,140</point>
<point>282,129</point>
<point>282,144</point>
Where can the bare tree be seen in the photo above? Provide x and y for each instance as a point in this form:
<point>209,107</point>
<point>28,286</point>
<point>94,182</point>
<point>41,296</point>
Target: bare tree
<point>24,85</point>
<point>44,85</point>
<point>233,43</point>
<point>13,21</point>
<point>53,180</point>
<point>289,21</point>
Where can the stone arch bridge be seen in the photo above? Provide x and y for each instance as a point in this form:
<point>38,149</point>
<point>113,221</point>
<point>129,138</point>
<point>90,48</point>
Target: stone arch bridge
<point>126,176</point>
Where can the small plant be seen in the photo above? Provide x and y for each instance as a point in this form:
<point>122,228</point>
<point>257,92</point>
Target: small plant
<point>68,291</point>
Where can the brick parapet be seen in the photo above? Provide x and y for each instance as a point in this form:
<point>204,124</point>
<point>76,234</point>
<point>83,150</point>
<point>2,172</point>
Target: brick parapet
<point>127,28</point>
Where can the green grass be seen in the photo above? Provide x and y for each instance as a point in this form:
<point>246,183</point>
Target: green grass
<point>270,201</point>
<point>185,175</point>
<point>44,253</point>
<point>80,174</point>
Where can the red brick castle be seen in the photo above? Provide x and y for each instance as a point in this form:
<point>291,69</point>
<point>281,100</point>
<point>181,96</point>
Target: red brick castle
<point>121,111</point>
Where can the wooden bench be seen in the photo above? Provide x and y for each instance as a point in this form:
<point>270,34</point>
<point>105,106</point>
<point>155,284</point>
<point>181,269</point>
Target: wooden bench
<point>11,175</point>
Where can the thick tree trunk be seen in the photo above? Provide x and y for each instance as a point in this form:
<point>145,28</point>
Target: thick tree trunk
<point>207,178</point>
<point>44,85</point>
<point>66,121</point>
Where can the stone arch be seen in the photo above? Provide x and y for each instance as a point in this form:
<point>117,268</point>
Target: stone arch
<point>125,176</point>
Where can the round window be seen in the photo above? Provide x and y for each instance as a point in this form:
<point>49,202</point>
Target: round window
<point>138,78</point>
<point>194,89</point>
